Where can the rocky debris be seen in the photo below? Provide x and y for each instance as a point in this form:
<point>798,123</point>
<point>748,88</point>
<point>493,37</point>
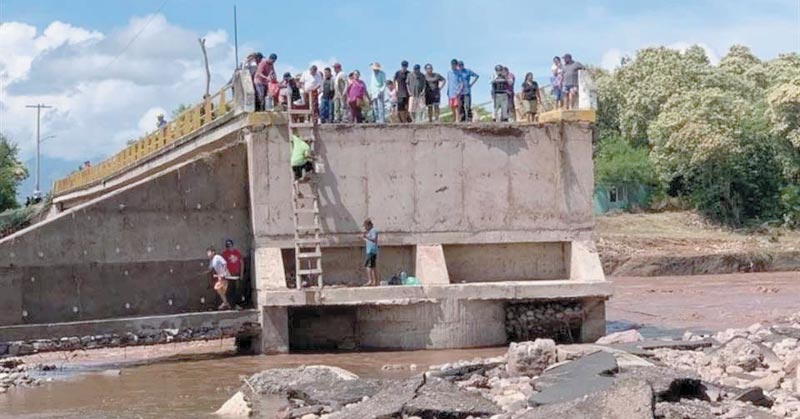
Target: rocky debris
<point>738,373</point>
<point>629,399</point>
<point>441,399</point>
<point>628,336</point>
<point>530,358</point>
<point>315,385</point>
<point>575,379</point>
<point>463,369</point>
<point>143,337</point>
<point>531,320</point>
<point>16,373</point>
<point>387,403</point>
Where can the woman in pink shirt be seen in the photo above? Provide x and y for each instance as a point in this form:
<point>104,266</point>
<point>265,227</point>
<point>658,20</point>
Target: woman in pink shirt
<point>356,92</point>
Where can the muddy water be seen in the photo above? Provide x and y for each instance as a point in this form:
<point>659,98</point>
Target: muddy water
<point>193,386</point>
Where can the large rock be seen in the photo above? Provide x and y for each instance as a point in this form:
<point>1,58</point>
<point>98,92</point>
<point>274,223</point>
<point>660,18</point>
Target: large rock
<point>739,352</point>
<point>315,385</point>
<point>571,380</point>
<point>530,358</point>
<point>628,336</point>
<point>387,403</point>
<point>628,399</point>
<point>236,407</point>
<point>444,400</point>
<point>669,384</point>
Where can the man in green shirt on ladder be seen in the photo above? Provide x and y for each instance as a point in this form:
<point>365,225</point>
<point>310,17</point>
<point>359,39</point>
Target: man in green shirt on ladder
<point>301,158</point>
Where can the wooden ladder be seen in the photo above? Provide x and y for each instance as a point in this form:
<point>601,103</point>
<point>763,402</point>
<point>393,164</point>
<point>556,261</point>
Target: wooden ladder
<point>305,205</point>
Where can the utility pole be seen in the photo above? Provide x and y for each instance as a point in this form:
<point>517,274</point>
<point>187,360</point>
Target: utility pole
<point>37,192</point>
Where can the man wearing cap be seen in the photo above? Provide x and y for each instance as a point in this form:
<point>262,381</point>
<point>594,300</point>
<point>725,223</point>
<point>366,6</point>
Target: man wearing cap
<point>416,86</point>
<point>377,89</point>
<point>261,78</point>
<point>401,84</point>
<point>339,97</point>
<point>455,85</point>
<point>469,78</point>
<point>500,93</point>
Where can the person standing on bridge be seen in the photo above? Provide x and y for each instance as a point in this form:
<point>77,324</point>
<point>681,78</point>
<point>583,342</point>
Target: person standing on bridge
<point>328,94</point>
<point>455,85</point>
<point>416,87</point>
<point>219,271</point>
<point>377,91</point>
<point>500,92</point>
<point>370,237</point>
<point>261,79</point>
<point>469,79</point>
<point>434,83</point>
<point>401,84</point>
<point>339,98</point>
<point>571,69</point>
<point>311,82</point>
<point>530,97</point>
<point>356,92</point>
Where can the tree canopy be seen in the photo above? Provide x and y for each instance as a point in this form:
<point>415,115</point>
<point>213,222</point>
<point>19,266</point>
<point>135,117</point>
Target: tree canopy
<point>12,172</point>
<point>726,137</point>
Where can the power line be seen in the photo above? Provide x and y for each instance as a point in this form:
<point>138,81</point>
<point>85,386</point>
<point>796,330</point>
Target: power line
<point>36,191</point>
<point>135,37</point>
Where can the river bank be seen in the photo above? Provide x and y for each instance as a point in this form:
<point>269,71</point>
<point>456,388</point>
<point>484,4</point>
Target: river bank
<point>684,243</point>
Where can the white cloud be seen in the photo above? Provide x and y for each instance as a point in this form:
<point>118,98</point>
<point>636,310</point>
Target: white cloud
<point>105,88</point>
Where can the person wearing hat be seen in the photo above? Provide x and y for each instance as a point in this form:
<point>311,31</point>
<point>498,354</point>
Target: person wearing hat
<point>455,85</point>
<point>500,89</point>
<point>339,98</point>
<point>377,91</point>
<point>401,84</point>
<point>416,88</point>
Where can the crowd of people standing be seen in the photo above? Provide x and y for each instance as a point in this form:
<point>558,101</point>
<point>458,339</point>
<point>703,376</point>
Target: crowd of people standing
<point>411,95</point>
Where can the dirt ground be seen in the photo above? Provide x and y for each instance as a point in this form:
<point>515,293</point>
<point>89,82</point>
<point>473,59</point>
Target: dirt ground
<point>683,243</point>
<point>705,302</point>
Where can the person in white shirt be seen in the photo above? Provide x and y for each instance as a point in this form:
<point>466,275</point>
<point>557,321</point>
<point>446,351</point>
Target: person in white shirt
<point>311,82</point>
<point>219,271</point>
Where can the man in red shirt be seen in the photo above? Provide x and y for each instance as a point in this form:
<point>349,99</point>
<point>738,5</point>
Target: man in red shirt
<point>261,78</point>
<point>233,257</point>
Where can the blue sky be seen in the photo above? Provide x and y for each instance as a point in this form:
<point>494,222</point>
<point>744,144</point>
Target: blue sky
<point>64,52</point>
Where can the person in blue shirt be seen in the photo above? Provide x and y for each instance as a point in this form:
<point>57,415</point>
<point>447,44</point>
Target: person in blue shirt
<point>469,78</point>
<point>455,85</point>
<point>370,237</point>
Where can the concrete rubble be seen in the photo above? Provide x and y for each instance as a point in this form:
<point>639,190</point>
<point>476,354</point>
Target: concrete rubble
<point>737,373</point>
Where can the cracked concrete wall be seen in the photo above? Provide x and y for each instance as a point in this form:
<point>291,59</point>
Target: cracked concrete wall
<point>137,251</point>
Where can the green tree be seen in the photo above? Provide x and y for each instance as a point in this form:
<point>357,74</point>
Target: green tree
<point>617,162</point>
<point>179,110</point>
<point>12,172</point>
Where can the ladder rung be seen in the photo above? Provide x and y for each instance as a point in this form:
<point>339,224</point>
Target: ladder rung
<point>307,228</point>
<point>300,112</point>
<point>306,211</point>
<point>301,125</point>
<point>313,241</point>
<point>309,271</point>
<point>310,255</point>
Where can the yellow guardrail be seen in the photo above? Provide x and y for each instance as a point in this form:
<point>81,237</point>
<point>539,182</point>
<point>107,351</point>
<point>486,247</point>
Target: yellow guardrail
<point>187,122</point>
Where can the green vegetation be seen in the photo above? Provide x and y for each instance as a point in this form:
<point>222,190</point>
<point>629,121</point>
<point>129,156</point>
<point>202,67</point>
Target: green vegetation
<point>12,172</point>
<point>725,138</point>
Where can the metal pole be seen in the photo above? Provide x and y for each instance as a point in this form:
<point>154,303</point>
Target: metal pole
<point>235,36</point>
<point>37,191</point>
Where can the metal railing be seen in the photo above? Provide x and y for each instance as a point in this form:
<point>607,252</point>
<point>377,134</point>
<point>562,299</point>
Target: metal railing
<point>190,120</point>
